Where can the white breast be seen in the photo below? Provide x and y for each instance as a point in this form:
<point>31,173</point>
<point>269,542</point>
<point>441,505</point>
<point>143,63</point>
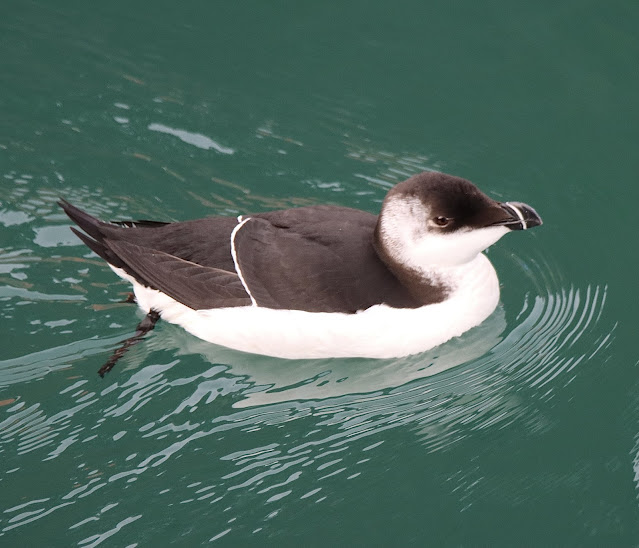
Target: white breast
<point>377,332</point>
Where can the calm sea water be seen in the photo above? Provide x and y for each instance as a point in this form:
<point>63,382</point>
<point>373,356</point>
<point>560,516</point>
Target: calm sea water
<point>523,431</point>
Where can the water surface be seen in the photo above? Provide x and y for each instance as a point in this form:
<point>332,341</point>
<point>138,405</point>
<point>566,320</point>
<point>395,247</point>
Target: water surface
<point>522,431</point>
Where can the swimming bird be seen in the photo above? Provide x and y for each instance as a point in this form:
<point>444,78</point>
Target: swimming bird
<point>320,281</point>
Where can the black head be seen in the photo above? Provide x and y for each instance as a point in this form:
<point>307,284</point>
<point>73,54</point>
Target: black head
<point>438,219</point>
<point>454,204</point>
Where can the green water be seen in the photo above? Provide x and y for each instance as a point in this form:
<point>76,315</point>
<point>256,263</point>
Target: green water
<point>521,432</point>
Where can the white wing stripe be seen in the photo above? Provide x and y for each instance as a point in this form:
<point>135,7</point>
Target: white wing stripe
<point>241,223</point>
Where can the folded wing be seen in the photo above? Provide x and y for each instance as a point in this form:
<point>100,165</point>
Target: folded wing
<point>318,259</point>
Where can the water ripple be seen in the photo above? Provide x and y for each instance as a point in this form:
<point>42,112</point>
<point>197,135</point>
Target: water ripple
<point>36,365</point>
<point>220,420</point>
<point>548,340</point>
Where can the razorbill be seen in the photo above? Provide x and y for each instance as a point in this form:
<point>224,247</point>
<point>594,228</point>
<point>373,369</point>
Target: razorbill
<point>320,281</point>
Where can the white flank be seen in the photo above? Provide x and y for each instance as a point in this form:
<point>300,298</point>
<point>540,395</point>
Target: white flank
<point>240,224</point>
<point>378,332</point>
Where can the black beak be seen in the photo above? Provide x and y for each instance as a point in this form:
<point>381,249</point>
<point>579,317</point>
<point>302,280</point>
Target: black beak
<point>519,216</point>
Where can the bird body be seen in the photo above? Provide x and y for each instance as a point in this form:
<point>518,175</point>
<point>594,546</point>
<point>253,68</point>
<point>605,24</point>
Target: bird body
<point>321,281</point>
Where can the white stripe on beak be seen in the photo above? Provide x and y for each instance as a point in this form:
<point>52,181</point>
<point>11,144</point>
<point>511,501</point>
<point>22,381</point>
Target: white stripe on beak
<point>524,225</point>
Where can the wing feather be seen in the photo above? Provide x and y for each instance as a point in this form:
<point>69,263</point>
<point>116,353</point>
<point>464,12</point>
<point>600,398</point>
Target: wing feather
<point>196,286</point>
<point>318,259</point>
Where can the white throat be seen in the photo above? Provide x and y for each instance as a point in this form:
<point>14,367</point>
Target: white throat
<point>410,239</point>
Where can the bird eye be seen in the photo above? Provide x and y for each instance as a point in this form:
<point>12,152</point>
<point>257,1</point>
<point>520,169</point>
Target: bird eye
<point>441,221</point>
